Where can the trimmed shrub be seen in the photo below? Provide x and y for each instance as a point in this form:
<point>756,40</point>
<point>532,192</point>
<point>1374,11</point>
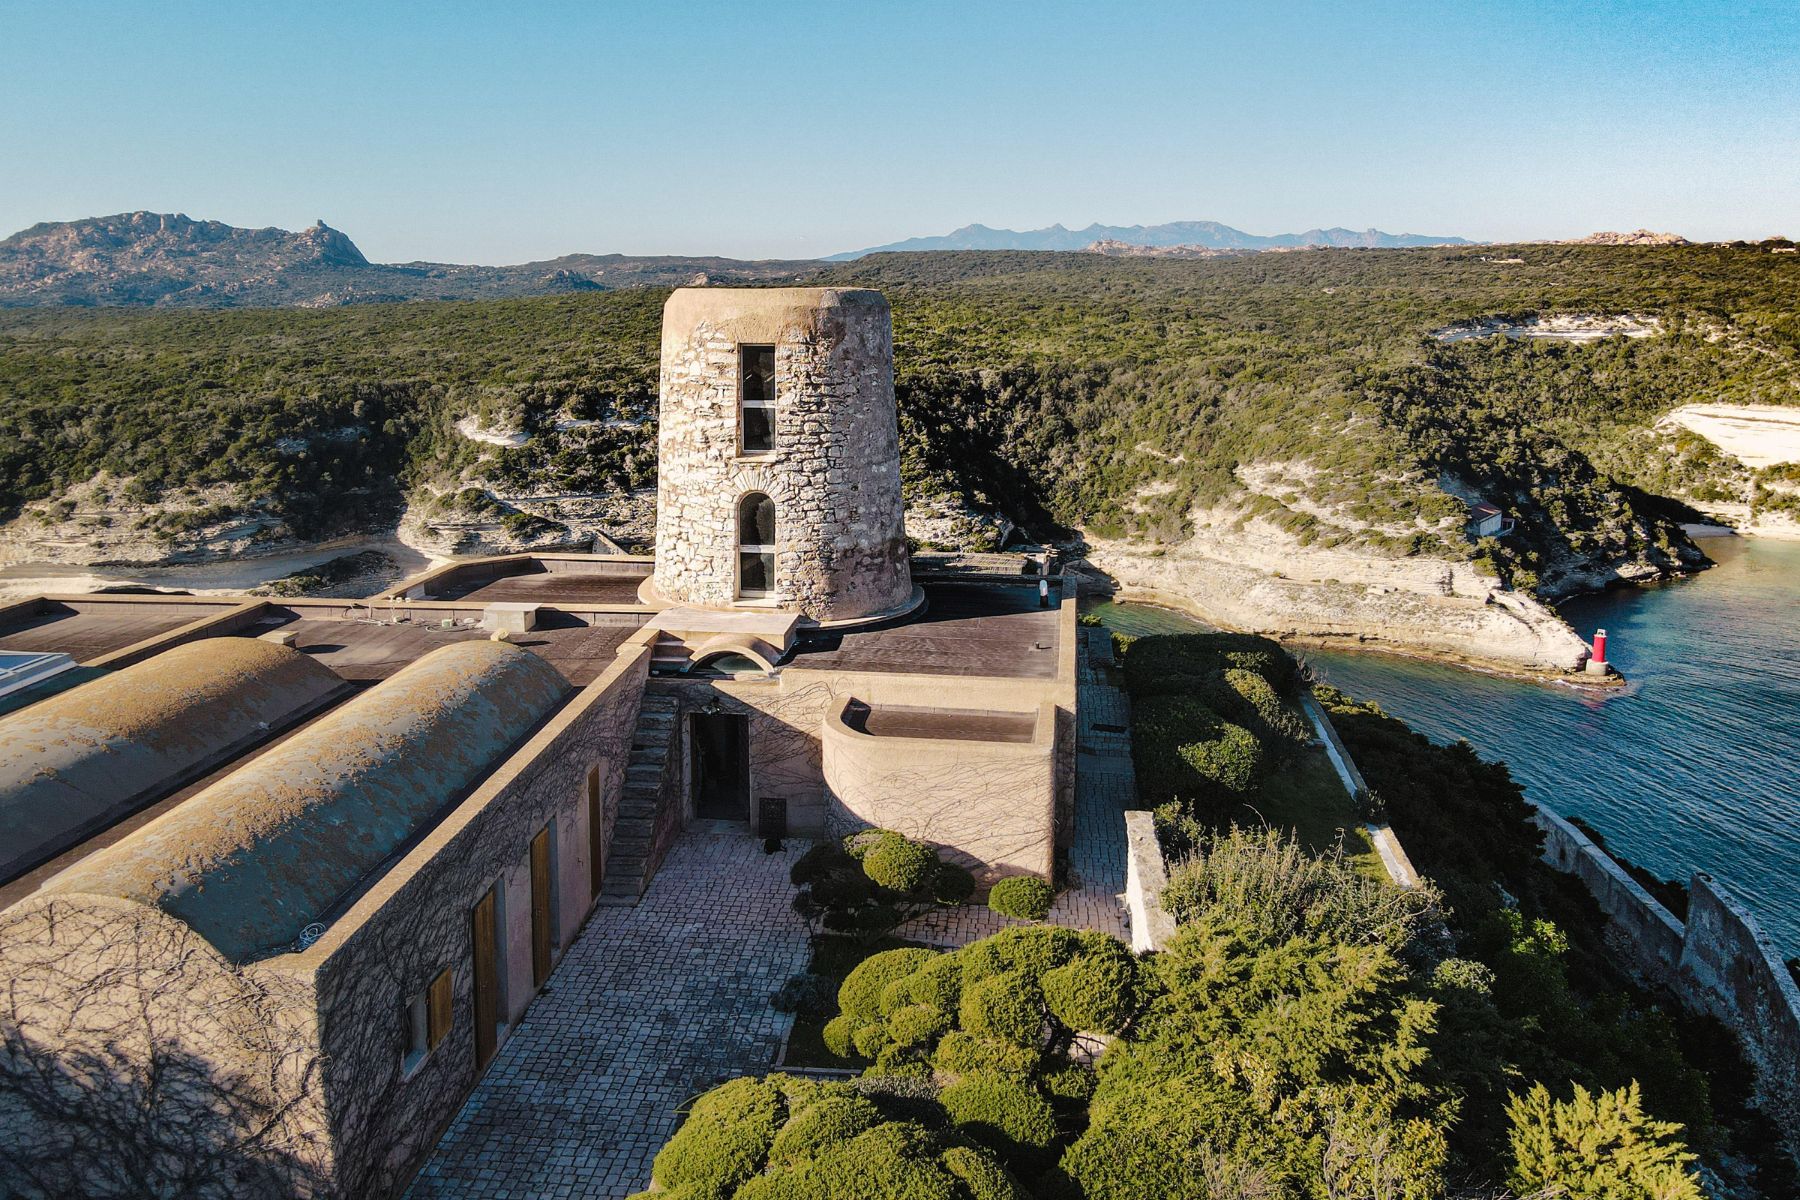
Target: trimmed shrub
<point>827,1122</point>
<point>917,1025</point>
<point>1094,992</point>
<point>725,1139</point>
<point>984,1178</point>
<point>901,864</point>
<point>870,1040</point>
<point>1007,1006</point>
<point>937,983</point>
<point>1024,896</point>
<point>1070,1083</point>
<point>1031,949</point>
<point>960,1053</point>
<point>1004,1114</point>
<point>1184,751</point>
<point>859,997</point>
<point>836,1036</point>
<point>953,884</point>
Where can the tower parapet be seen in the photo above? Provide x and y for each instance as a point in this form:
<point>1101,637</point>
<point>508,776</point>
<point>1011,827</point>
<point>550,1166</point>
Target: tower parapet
<point>779,472</point>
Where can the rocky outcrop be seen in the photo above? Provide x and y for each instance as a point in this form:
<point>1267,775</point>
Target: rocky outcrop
<point>169,259</point>
<point>1254,576</point>
<point>1117,249</point>
<point>1637,237</point>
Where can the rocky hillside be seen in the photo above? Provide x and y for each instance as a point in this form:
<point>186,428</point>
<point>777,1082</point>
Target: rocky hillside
<point>166,259</point>
<point>1285,441</point>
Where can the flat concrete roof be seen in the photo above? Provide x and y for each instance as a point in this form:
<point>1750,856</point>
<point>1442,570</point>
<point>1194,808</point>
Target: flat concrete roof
<point>85,636</point>
<point>966,629</point>
<point>364,652</point>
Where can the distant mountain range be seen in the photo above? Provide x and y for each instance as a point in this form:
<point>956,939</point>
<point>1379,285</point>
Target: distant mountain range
<point>167,259</point>
<point>145,258</point>
<point>1209,234</point>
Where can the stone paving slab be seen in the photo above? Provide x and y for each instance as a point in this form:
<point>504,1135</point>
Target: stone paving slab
<point>649,1007</point>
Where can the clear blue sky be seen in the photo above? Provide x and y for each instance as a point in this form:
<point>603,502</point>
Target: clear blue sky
<point>503,132</point>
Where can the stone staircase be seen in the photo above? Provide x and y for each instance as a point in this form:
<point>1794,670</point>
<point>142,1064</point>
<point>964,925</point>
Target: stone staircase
<point>629,862</point>
<point>669,655</point>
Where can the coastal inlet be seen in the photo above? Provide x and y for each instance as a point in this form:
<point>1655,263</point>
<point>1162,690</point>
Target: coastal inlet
<point>1689,767</point>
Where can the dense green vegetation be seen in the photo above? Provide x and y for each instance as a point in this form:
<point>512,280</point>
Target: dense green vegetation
<point>1057,387</point>
<point>1547,1004</point>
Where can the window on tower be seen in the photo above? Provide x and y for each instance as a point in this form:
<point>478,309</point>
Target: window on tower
<point>756,546</point>
<point>756,399</point>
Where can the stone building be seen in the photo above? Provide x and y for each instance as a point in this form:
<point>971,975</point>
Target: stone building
<point>281,876</point>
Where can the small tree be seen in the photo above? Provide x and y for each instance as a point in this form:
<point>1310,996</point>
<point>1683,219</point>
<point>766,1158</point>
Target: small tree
<point>1598,1146</point>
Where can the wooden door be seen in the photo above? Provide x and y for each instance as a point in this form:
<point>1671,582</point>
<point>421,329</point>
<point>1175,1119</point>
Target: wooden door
<point>540,907</point>
<point>596,842</point>
<point>487,978</point>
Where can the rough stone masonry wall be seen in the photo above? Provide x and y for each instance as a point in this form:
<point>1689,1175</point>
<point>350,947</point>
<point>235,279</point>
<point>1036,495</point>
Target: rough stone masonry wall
<point>834,474</point>
<point>415,923</point>
<point>1719,961</point>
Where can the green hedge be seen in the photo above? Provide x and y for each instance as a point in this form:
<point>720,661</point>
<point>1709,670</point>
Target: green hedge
<point>1023,896</point>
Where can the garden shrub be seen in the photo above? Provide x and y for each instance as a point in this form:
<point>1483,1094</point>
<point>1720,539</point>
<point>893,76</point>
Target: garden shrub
<point>1094,992</point>
<point>1183,751</point>
<point>917,1025</point>
<point>873,881</point>
<point>1024,896</point>
<point>1005,1114</point>
<point>1008,1006</point>
<point>825,1122</point>
<point>961,1053</point>
<point>1031,949</point>
<point>837,1036</point>
<point>1264,884</point>
<point>725,1139</point>
<point>981,1176</point>
<point>953,884</point>
<point>1597,1145</point>
<point>900,864</point>
<point>859,997</point>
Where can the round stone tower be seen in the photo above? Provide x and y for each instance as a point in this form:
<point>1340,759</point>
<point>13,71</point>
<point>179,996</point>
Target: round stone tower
<point>779,472</point>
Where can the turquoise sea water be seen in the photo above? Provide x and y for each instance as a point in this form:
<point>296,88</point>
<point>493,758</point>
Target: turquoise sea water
<point>1695,765</point>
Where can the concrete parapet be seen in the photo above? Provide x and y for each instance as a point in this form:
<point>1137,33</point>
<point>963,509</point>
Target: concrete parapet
<point>1145,878</point>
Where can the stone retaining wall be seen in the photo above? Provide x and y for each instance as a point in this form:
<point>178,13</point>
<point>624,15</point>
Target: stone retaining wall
<point>1719,961</point>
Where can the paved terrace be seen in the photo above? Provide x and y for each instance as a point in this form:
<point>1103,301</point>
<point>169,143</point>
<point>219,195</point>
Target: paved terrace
<point>85,636</point>
<point>649,1007</point>
<point>367,650</point>
<point>967,629</point>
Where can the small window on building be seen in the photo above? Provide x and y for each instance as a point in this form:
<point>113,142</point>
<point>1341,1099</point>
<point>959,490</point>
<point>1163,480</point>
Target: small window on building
<point>756,546</point>
<point>756,400</point>
<point>427,1020</point>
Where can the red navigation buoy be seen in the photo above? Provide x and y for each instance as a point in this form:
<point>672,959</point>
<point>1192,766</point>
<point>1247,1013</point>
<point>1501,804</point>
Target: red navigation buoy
<point>1599,645</point>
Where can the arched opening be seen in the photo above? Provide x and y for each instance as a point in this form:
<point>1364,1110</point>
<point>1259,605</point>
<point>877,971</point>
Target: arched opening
<point>756,546</point>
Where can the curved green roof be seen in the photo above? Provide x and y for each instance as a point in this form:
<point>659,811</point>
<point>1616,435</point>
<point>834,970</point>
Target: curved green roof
<point>274,846</point>
<point>76,762</point>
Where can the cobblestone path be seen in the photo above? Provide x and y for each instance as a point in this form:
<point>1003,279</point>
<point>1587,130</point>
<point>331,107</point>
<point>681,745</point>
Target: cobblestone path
<point>1105,786</point>
<point>651,1005</point>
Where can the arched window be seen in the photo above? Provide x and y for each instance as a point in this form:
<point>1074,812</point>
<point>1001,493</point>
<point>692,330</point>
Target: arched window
<point>756,546</point>
<point>756,400</point>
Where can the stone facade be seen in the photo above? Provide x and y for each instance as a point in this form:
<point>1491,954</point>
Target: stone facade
<point>834,470</point>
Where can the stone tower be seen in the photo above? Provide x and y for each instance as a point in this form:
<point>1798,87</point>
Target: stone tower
<point>779,473</point>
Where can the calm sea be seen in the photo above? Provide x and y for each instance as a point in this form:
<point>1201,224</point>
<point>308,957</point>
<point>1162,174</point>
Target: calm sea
<point>1695,765</point>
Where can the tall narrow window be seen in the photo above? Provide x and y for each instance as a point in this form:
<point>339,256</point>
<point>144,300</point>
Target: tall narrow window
<point>756,399</point>
<point>427,1020</point>
<point>484,929</point>
<point>596,835</point>
<point>540,907</point>
<point>756,546</point>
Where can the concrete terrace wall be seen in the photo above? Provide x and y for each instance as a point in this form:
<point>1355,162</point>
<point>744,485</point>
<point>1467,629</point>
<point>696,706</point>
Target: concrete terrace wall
<point>1719,961</point>
<point>990,804</point>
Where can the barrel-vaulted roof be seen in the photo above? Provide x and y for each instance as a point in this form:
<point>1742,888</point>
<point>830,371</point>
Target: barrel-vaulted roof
<point>274,846</point>
<point>74,763</point>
